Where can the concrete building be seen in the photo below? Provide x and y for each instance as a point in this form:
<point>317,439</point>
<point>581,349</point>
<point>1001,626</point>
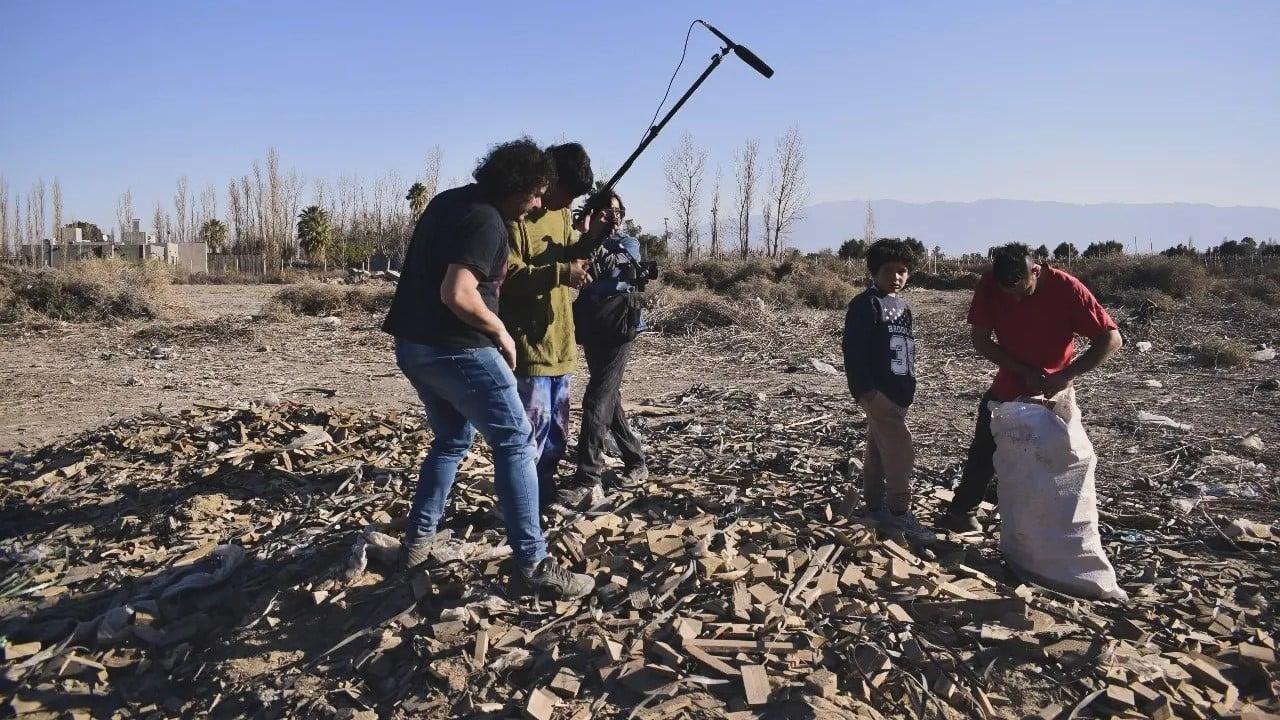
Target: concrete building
<point>134,244</point>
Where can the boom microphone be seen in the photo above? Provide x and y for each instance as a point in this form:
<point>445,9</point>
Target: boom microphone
<point>741,51</point>
<point>597,199</point>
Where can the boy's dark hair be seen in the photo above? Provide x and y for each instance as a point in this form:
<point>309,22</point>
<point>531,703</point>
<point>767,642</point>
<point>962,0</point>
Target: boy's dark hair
<point>1009,264</point>
<point>889,250</point>
<point>573,167</point>
<point>515,167</point>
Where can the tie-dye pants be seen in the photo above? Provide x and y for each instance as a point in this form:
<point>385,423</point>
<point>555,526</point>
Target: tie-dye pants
<point>546,402</point>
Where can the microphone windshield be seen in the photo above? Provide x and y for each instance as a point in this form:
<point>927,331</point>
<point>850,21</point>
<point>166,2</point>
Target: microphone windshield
<point>750,58</point>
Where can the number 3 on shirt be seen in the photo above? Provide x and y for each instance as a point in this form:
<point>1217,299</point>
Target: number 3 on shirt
<point>904,355</point>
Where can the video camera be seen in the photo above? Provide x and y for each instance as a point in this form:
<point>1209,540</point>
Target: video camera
<point>640,272</point>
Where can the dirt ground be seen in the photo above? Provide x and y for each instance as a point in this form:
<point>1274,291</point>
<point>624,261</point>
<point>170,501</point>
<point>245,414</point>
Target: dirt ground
<point>751,403</point>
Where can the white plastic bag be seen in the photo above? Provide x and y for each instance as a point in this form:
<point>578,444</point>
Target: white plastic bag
<point>1048,504</point>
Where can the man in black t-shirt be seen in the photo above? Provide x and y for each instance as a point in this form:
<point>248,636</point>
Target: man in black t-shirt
<point>454,349</point>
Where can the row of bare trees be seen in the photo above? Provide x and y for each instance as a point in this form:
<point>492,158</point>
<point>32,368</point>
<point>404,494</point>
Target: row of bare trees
<point>779,203</point>
<point>262,210</point>
<point>25,220</point>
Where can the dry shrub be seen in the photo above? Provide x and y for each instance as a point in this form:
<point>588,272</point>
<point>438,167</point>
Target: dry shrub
<point>750,270</point>
<point>680,312</point>
<point>821,290</point>
<point>87,291</point>
<point>1111,278</point>
<point>1262,287</point>
<point>318,299</point>
<point>1222,352</point>
<point>681,278</point>
<point>714,271</point>
<point>774,294</point>
<point>201,332</point>
<point>956,277</point>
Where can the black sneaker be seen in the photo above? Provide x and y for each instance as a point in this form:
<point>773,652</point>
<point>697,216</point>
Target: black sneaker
<point>958,522</point>
<point>548,579</point>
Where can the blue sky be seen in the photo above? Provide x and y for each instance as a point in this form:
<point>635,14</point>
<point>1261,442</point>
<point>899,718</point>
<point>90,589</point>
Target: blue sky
<point>1077,102</point>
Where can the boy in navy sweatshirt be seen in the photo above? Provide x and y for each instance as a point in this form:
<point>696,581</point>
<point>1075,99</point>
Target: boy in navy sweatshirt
<point>879,361</point>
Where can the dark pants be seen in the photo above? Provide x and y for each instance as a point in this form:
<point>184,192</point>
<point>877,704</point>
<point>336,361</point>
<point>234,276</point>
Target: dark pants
<point>979,467</point>
<point>602,413</point>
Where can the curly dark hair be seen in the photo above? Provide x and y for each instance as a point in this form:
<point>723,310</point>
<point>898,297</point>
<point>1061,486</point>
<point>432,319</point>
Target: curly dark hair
<point>1009,264</point>
<point>573,167</point>
<point>512,168</point>
<point>890,250</point>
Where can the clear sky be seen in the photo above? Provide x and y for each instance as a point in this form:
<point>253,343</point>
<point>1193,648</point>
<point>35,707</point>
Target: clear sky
<point>919,101</point>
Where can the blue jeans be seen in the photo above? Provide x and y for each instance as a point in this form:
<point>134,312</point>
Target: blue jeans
<point>464,390</point>
<point>546,403</point>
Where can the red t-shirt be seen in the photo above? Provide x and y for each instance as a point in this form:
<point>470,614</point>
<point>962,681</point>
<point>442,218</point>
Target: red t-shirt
<point>1037,329</point>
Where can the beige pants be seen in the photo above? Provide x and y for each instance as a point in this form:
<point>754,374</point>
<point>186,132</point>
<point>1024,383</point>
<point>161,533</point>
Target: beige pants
<point>886,466</point>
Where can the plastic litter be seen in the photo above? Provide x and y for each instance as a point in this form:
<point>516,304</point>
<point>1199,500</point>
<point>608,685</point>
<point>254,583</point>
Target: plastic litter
<point>1162,420</point>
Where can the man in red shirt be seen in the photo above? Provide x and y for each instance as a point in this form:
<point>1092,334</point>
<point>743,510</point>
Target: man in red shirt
<point>1035,313</point>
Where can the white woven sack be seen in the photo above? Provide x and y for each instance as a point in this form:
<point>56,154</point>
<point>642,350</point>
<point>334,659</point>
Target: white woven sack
<point>1048,503</point>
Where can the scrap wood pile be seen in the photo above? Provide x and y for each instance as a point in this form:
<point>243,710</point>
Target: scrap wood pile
<point>235,562</point>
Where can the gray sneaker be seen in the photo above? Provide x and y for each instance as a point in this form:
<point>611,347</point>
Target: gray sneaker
<point>910,527</point>
<point>548,578</point>
<point>418,550</point>
<point>634,475</point>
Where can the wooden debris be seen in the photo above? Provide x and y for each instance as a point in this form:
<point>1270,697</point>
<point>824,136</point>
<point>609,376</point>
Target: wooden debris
<point>755,684</point>
<point>541,705</point>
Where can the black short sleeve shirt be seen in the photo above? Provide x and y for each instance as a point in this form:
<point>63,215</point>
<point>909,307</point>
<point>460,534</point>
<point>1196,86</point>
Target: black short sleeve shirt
<point>458,228</point>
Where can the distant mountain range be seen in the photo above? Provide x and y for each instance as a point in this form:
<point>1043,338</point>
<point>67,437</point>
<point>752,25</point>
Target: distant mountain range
<point>960,227</point>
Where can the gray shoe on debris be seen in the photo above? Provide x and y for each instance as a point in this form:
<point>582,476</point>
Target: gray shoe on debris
<point>418,550</point>
<point>958,522</point>
<point>549,579</point>
<point>634,475</point>
<point>909,525</point>
<point>570,497</point>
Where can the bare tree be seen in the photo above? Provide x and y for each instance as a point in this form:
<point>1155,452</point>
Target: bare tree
<point>788,189</point>
<point>57,209</point>
<point>159,224</point>
<point>715,215</point>
<point>208,208</point>
<point>35,213</point>
<point>125,213</point>
<point>435,158</point>
<point>235,215</point>
<point>181,206</point>
<point>684,168</point>
<point>869,226</point>
<point>19,238</point>
<point>5,237</point>
<point>747,174</point>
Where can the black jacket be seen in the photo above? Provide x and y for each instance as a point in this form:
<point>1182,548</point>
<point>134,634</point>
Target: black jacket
<point>879,349</point>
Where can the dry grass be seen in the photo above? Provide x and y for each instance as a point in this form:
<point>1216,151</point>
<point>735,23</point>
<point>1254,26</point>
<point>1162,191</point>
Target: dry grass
<point>313,298</point>
<point>1222,352</point>
<point>679,312</point>
<point>88,291</point>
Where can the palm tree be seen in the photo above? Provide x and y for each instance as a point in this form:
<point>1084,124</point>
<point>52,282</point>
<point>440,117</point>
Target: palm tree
<point>315,233</point>
<point>213,233</point>
<point>418,199</point>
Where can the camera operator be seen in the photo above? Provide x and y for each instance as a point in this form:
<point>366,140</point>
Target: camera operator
<point>607,318</point>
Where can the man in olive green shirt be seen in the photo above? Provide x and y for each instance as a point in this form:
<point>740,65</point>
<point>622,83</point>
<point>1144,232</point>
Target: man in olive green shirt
<point>547,263</point>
